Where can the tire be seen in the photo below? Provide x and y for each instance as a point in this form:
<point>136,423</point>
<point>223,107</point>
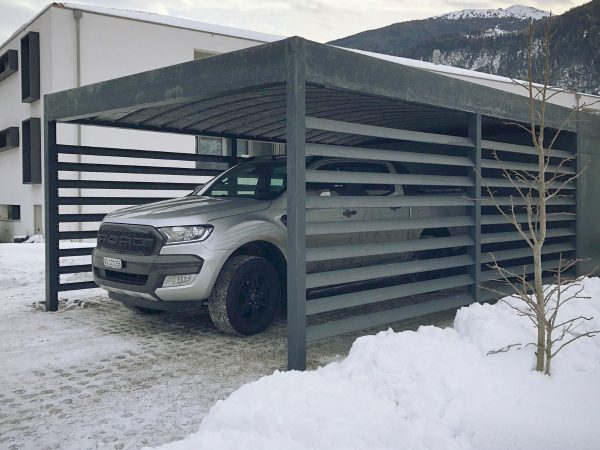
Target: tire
<point>246,296</point>
<point>433,254</point>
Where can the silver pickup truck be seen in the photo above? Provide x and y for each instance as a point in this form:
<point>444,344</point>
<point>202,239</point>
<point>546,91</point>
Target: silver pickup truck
<point>224,245</point>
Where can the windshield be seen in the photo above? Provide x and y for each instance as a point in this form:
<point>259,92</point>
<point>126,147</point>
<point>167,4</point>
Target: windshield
<point>261,180</point>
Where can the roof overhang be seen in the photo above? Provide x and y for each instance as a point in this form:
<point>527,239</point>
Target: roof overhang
<point>242,94</point>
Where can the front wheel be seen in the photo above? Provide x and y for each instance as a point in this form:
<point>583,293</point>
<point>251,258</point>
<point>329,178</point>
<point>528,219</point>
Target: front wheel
<point>246,296</point>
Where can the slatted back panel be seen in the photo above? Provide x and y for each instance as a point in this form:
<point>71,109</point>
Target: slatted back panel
<point>91,185</point>
<point>500,240</point>
<point>381,238</point>
<point>429,236</point>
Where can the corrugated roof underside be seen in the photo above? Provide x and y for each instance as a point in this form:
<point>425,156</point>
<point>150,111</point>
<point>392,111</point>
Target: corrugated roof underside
<point>260,115</point>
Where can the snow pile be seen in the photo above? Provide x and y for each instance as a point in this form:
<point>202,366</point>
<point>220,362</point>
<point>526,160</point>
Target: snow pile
<point>430,389</point>
<point>516,11</point>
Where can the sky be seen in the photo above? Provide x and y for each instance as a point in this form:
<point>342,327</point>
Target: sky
<point>318,20</point>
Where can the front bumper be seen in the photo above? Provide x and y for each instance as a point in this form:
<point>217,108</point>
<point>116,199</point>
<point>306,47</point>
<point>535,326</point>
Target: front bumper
<point>142,275</point>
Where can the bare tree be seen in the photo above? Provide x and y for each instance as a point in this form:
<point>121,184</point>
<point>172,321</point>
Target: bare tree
<point>534,191</point>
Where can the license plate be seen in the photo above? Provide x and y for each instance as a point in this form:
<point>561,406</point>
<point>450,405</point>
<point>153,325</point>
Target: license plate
<point>113,263</point>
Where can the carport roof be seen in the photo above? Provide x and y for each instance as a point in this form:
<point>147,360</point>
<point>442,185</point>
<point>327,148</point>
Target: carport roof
<point>242,94</point>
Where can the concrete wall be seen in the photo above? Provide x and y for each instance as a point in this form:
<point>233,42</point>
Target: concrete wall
<point>110,47</point>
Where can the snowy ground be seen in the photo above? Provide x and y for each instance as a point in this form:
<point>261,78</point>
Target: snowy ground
<point>95,375</point>
<point>430,389</point>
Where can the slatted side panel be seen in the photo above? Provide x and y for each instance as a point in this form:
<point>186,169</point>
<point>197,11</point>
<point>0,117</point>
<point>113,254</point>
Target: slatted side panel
<point>385,223</point>
<point>103,179</point>
<point>507,171</point>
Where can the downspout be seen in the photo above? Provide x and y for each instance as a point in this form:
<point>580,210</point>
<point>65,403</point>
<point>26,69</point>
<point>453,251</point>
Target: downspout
<point>78,14</point>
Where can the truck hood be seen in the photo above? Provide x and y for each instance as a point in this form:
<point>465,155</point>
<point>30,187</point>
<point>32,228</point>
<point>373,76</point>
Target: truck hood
<point>192,210</point>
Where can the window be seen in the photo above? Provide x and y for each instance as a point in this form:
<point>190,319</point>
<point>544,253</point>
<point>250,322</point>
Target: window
<point>9,63</point>
<point>353,189</point>
<point>10,212</point>
<point>30,67</point>
<point>211,146</point>
<point>32,150</point>
<point>9,138</point>
<point>264,180</point>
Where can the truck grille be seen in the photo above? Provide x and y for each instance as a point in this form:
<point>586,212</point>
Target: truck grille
<point>133,239</point>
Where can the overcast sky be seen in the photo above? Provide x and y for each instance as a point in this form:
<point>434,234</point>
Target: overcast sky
<point>319,20</point>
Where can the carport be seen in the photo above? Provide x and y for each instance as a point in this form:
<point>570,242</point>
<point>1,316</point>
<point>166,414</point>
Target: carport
<point>325,101</point>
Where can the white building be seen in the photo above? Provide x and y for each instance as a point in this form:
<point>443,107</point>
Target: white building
<point>69,45</point>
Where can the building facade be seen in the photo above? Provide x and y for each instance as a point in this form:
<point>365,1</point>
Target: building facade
<point>67,46</point>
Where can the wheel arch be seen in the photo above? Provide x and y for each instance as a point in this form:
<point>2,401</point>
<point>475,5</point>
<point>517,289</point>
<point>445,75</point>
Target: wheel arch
<point>267,250</point>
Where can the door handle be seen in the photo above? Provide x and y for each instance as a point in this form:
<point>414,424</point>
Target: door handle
<point>349,212</point>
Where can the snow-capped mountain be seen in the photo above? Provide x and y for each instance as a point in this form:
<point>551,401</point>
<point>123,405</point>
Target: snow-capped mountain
<point>492,41</point>
<point>515,11</point>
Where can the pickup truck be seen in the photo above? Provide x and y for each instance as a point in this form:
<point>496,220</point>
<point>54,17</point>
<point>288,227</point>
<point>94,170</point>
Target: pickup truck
<point>224,245</point>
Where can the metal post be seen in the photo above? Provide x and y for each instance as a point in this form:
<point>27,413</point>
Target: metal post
<point>51,219</point>
<point>580,164</point>
<point>475,135</point>
<point>296,203</point>
<point>234,152</point>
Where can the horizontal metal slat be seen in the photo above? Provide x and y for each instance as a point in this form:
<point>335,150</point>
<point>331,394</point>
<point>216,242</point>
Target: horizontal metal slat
<point>521,149</point>
<point>386,201</point>
<point>336,126</point>
<point>528,167</point>
<point>334,303</point>
<point>62,287</point>
<point>504,255</point>
<point>80,268</point>
<point>492,219</point>
<point>360,322</point>
<point>330,176</point>
<point>506,183</point>
<point>63,218</point>
<point>351,226</point>
<point>385,248</point>
<point>150,170</point>
<point>133,153</point>
<point>77,234</point>
<point>486,295</point>
<point>492,238</point>
<point>109,200</point>
<point>77,251</point>
<point>519,201</point>
<point>314,280</point>
<point>138,185</point>
<point>373,154</point>
<point>491,274</point>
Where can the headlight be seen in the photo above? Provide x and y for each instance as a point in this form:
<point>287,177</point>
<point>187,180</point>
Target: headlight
<point>194,233</point>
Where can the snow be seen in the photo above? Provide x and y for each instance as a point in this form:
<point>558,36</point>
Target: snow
<point>435,388</point>
<point>516,11</point>
<point>175,22</point>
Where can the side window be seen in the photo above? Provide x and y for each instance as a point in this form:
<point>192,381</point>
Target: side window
<point>353,189</point>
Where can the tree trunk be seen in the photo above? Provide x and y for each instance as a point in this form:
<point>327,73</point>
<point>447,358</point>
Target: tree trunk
<point>540,365</point>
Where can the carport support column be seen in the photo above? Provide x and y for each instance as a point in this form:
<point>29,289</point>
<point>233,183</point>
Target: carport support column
<point>296,203</point>
<point>51,215</point>
<point>475,135</point>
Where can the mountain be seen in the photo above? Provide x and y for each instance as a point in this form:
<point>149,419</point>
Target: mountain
<point>493,41</point>
<point>515,11</point>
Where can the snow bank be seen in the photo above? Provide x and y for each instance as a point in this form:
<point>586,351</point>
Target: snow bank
<point>430,389</point>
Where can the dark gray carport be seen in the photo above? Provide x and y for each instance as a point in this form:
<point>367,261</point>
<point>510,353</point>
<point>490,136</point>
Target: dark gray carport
<point>322,100</point>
